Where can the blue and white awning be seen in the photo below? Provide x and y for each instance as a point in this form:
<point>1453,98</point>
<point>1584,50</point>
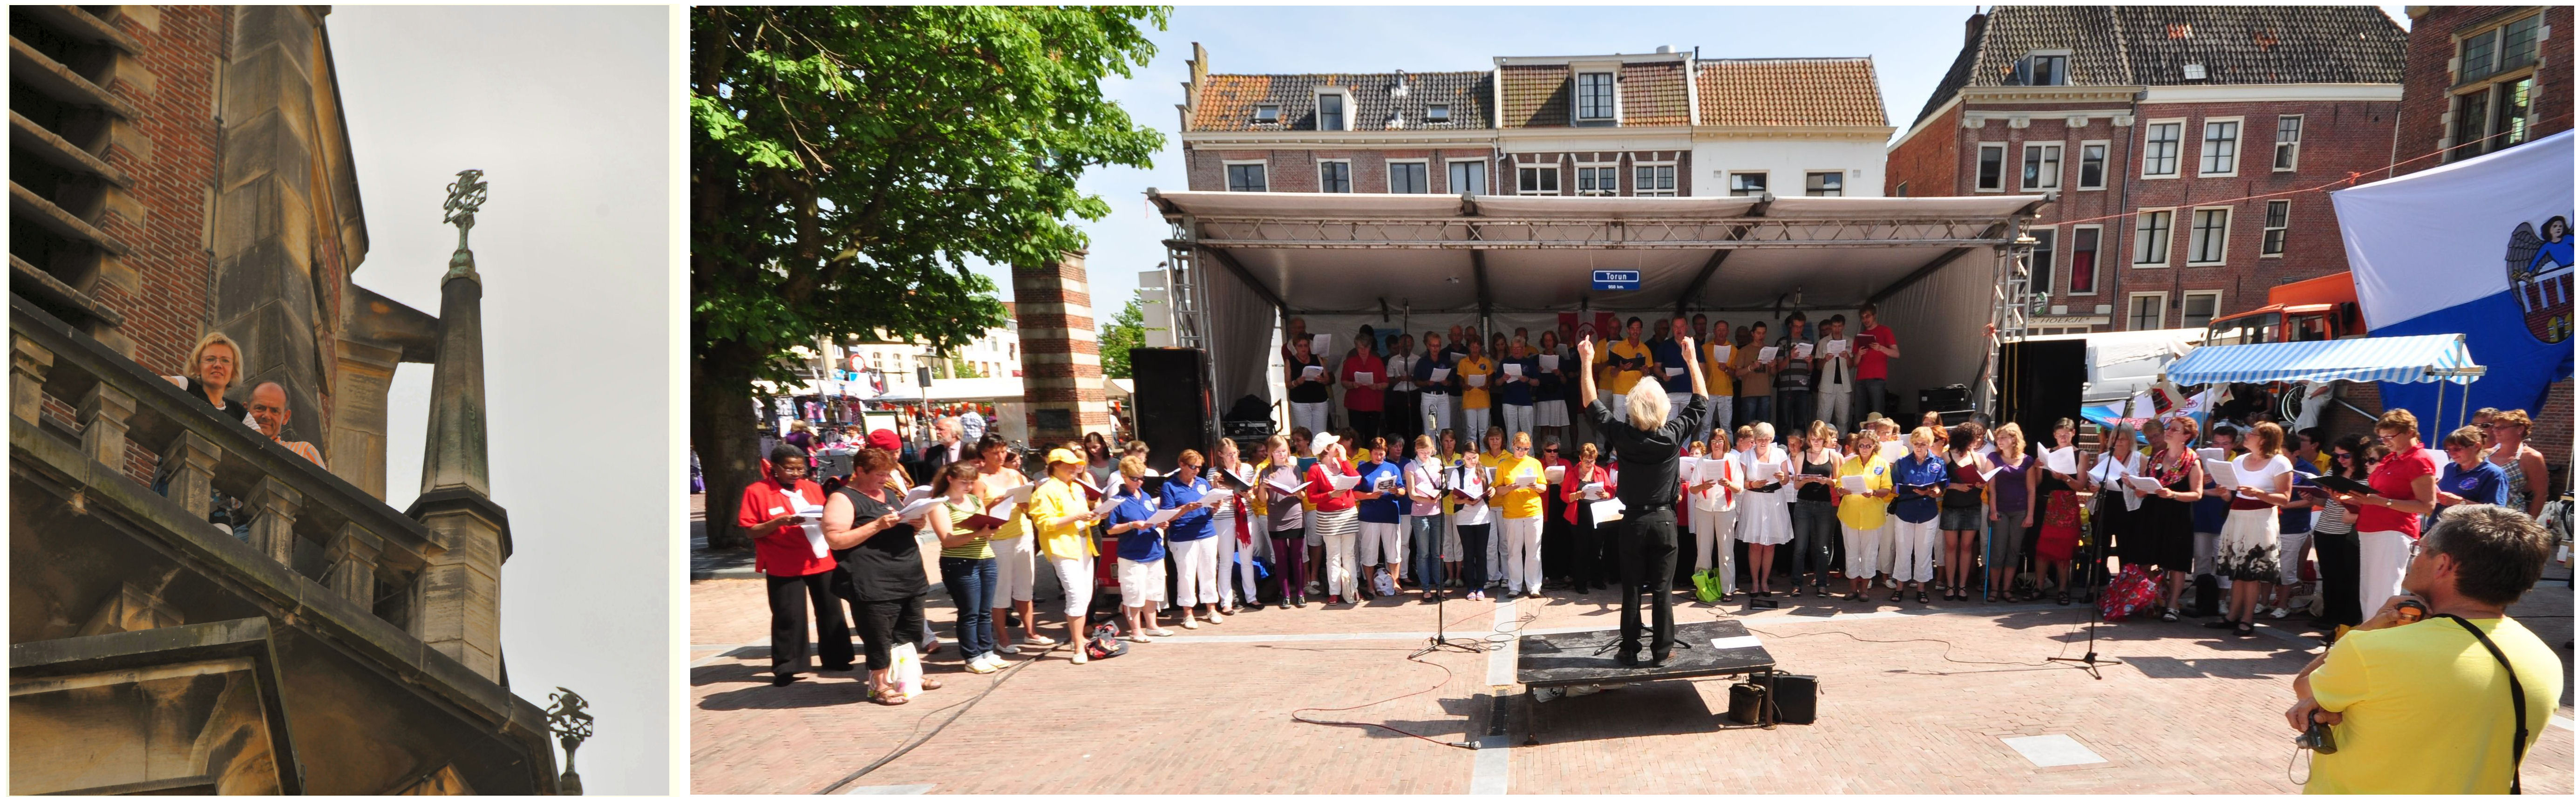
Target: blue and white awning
<point>2401,360</point>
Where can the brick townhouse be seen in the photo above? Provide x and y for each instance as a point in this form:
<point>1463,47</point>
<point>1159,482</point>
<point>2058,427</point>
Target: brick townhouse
<point>1665,123</point>
<point>2165,131</point>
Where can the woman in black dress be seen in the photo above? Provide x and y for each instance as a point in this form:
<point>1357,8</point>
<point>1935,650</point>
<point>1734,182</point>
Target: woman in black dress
<point>2164,522</point>
<point>2116,507</point>
<point>882,556</point>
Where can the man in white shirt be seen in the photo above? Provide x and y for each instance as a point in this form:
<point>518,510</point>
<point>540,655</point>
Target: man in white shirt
<point>1834,376</point>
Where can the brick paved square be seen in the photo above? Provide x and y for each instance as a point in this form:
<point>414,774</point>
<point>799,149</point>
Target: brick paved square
<point>1912,700</point>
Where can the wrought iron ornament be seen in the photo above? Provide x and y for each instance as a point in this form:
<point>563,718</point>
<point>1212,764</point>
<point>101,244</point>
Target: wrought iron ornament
<point>464,197</point>
<point>565,712</point>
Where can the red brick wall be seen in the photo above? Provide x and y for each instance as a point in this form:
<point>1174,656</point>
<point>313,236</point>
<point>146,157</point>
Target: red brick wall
<point>171,182</point>
<point>1295,169</point>
<point>2338,140</point>
<point>1928,163</point>
<point>2553,428</point>
<point>2429,50</point>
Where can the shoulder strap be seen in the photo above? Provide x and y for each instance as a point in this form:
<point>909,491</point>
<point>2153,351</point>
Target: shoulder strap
<point>2521,734</point>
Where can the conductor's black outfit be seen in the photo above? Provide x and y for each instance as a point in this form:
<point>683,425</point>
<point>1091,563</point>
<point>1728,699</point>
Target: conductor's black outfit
<point>1650,475</point>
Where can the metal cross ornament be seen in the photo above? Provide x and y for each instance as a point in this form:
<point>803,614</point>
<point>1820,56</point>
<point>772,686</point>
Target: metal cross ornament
<point>464,197</point>
<point>566,717</point>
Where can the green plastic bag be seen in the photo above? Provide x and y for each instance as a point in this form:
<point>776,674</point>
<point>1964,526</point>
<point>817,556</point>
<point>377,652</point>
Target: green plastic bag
<point>1707,582</point>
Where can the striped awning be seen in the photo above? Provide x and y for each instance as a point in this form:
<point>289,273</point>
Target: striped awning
<point>2419,358</point>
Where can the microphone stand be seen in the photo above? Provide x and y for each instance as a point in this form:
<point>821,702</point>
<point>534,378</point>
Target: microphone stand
<point>1440,629</point>
<point>2090,662</point>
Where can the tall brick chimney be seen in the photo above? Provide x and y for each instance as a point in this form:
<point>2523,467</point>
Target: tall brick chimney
<point>1059,352</point>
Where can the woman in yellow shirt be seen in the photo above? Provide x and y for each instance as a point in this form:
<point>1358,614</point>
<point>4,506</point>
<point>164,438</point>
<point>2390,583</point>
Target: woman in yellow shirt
<point>1476,372</point>
<point>1522,520</point>
<point>1863,514</point>
<point>1060,514</point>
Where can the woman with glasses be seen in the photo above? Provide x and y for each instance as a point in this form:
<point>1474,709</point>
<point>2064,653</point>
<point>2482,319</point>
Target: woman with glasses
<point>1762,520</point>
<point>1282,488</point>
<point>2338,549</point>
<point>2249,544</point>
<point>2390,520</point>
<point>2164,516</point>
<point>2116,502</point>
<point>1962,509</point>
<point>1811,514</point>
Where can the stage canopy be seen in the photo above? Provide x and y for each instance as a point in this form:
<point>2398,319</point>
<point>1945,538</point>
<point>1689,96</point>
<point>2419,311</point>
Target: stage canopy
<point>2403,360</point>
<point>1421,262</point>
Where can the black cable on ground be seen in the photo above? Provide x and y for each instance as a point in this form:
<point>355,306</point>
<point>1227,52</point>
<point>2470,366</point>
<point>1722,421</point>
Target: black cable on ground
<point>962,706</point>
<point>1447,675</point>
<point>1945,648</point>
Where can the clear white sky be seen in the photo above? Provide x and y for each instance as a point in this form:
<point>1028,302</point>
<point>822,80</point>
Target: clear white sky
<point>1913,46</point>
<point>567,111</point>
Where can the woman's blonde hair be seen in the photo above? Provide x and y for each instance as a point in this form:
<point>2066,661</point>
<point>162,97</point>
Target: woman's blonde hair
<point>2014,429</point>
<point>1133,465</point>
<point>195,355</point>
<point>1923,435</point>
<point>2400,420</point>
<point>1762,429</point>
<point>1647,406</point>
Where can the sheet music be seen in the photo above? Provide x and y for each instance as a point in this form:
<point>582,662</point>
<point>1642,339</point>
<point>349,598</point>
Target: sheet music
<point>1162,516</point>
<point>1512,369</point>
<point>1475,380</point>
<point>1341,482</point>
<point>2060,461</point>
<point>1439,374</point>
<point>1363,378</point>
<point>1761,471</point>
<point>1607,510</point>
<point>1712,469</point>
<point>1323,343</point>
<point>917,493</point>
<point>1767,354</point>
<point>1556,474</point>
<point>1217,496</point>
<point>1856,484</point>
<point>1726,353</point>
<point>2226,477</point>
<point>1803,351</point>
<point>1837,346</point>
<point>1285,480</point>
<point>1670,372</point>
<point>913,511</point>
<point>2143,485</point>
<point>1547,362</point>
<point>1312,372</point>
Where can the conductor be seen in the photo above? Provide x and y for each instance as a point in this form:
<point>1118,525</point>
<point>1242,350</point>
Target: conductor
<point>1649,444</point>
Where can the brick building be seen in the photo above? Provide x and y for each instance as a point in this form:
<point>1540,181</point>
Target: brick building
<point>2479,79</point>
<point>2165,131</point>
<point>1665,123</point>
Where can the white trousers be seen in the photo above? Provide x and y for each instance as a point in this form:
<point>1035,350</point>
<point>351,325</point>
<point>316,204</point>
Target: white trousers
<point>1195,566</point>
<point>1862,558</point>
<point>1834,408</point>
<point>1721,419</point>
<point>1340,578</point>
<point>2383,567</point>
<point>1517,419</point>
<point>1914,545</point>
<point>1075,574</point>
<point>1382,544</point>
<point>1015,559</point>
<point>1713,534</point>
<point>1310,417</point>
<point>1520,550</point>
<point>1140,584</point>
<point>1233,554</point>
<point>1474,421</point>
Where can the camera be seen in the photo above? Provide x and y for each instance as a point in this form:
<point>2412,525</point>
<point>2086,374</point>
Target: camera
<point>2318,737</point>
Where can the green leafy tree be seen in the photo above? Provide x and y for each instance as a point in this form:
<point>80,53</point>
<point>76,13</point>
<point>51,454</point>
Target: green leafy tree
<point>1126,331</point>
<point>961,369</point>
<point>847,164</point>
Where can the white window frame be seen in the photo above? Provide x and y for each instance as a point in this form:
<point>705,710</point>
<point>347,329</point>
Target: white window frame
<point>2217,306</point>
<point>1349,110</point>
<point>1842,186</point>
<point>2066,243</point>
<point>2137,238</point>
<point>2053,180</point>
<point>2226,225</point>
<point>2236,155</point>
<point>1730,181</point>
<point>2284,229</point>
<point>1519,168</point>
<point>1578,77</point>
<point>2130,308</point>
<point>1350,176</point>
<point>2055,243</point>
<point>2292,144</point>
<point>2030,63</point>
<point>2147,144</point>
<point>1638,188</point>
<point>1426,172</point>
<point>1228,174</point>
<point>2104,176</point>
<point>1449,170</point>
<point>1446,116</point>
<point>1272,107</point>
<point>1597,168</point>
<point>2003,166</point>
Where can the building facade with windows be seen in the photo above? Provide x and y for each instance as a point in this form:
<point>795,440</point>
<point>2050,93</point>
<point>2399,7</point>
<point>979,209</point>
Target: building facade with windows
<point>1381,133</point>
<point>1790,126</point>
<point>2177,138</point>
<point>1603,125</point>
<point>2479,79</point>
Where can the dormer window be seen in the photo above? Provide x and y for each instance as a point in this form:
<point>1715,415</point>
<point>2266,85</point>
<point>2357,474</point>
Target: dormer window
<point>2042,68</point>
<point>1328,112</point>
<point>1435,114</point>
<point>1267,114</point>
<point>1596,97</point>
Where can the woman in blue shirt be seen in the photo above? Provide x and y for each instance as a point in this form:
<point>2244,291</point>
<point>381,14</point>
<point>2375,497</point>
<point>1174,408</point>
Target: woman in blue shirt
<point>1381,543</point>
<point>1194,543</point>
<point>1920,479</point>
<point>2469,478</point>
<point>1140,551</point>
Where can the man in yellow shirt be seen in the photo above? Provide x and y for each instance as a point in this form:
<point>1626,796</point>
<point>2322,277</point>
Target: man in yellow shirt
<point>1717,358</point>
<point>1863,514</point>
<point>2426,706</point>
<point>1629,361</point>
<point>1060,513</point>
<point>1476,372</point>
<point>1522,521</point>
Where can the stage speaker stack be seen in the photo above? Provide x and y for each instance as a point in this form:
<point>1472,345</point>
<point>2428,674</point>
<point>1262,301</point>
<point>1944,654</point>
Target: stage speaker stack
<point>2043,380</point>
<point>1772,697</point>
<point>1172,409</point>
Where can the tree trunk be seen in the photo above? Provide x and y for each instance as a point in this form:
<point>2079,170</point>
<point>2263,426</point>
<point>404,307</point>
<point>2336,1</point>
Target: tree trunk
<point>722,428</point>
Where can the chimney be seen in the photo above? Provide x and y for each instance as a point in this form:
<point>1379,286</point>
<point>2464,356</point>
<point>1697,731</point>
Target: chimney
<point>1663,49</point>
<point>1976,22</point>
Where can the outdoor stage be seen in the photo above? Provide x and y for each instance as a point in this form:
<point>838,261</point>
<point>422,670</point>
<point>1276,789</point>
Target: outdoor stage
<point>1913,699</point>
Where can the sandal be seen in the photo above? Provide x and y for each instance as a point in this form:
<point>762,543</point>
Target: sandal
<point>2171,616</point>
<point>928,684</point>
<point>2244,629</point>
<point>887,698</point>
<point>2063,600</point>
<point>1923,596</point>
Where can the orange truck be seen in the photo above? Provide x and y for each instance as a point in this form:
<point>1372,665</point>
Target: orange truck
<point>2324,308</point>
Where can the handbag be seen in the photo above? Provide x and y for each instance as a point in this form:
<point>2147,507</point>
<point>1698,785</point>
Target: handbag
<point>1707,583</point>
<point>904,673</point>
<point>2521,723</point>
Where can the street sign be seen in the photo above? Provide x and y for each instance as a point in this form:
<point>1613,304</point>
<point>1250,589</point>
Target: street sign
<point>1607,280</point>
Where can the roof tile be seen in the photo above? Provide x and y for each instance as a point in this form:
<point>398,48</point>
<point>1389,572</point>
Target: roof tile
<point>2139,45</point>
<point>1790,91</point>
<point>1226,102</point>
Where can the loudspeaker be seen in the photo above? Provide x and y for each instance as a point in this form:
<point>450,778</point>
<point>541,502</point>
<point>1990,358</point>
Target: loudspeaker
<point>1952,398</point>
<point>1745,704</point>
<point>1172,405</point>
<point>2042,381</point>
<point>1794,696</point>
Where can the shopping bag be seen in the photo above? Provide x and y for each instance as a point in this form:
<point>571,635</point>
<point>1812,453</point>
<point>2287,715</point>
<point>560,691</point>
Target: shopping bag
<point>1708,585</point>
<point>904,673</point>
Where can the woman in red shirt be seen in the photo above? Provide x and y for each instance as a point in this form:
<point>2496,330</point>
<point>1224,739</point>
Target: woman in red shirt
<point>776,511</point>
<point>2389,521</point>
<point>1586,483</point>
<point>1364,400</point>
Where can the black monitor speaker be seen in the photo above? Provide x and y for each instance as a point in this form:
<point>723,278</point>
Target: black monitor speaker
<point>1172,409</point>
<point>2041,382</point>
